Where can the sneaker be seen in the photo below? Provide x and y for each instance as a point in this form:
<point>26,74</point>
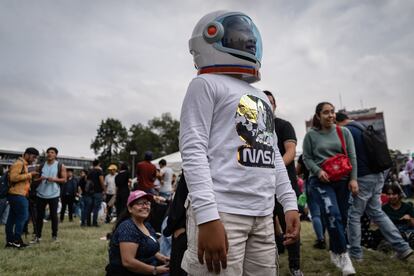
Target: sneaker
<point>404,255</point>
<point>335,259</point>
<point>55,239</point>
<point>319,244</point>
<point>35,240</point>
<point>346,264</point>
<point>9,245</point>
<point>19,244</point>
<point>295,272</point>
<point>357,259</point>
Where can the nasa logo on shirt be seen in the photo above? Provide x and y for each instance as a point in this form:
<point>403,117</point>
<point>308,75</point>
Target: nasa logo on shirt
<point>255,127</point>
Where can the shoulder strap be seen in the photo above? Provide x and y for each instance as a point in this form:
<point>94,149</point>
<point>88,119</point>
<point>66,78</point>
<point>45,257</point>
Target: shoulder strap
<point>22,172</point>
<point>41,168</point>
<point>341,137</point>
<point>59,169</point>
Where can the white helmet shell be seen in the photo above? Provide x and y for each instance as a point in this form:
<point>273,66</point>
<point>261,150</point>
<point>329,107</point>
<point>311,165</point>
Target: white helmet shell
<point>225,42</point>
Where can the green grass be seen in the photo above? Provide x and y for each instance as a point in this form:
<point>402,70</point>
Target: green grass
<point>78,252</point>
<point>81,252</point>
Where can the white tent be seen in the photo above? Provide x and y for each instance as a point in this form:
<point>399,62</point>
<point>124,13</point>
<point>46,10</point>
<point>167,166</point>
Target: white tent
<point>173,161</point>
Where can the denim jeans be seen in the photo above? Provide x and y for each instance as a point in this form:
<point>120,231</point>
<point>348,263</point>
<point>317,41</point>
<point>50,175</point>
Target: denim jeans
<point>333,197</point>
<point>4,210</point>
<point>316,212</point>
<point>368,200</point>
<point>86,209</point>
<point>97,203</point>
<point>165,242</point>
<point>18,215</point>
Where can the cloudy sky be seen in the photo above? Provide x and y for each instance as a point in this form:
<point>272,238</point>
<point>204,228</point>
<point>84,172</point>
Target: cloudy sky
<point>66,65</point>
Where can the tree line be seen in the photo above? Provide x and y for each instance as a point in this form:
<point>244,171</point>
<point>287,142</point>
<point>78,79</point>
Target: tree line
<point>114,142</point>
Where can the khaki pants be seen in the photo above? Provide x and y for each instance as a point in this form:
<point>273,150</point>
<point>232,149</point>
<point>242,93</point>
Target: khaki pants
<point>252,248</point>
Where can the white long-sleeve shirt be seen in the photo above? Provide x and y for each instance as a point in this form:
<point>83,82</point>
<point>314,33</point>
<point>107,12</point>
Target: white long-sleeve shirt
<point>229,150</point>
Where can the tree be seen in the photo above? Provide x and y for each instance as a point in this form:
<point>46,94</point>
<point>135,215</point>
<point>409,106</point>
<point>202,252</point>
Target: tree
<point>141,139</point>
<point>110,139</point>
<point>168,130</point>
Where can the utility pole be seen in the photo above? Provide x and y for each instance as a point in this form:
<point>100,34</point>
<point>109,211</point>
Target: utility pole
<point>133,153</point>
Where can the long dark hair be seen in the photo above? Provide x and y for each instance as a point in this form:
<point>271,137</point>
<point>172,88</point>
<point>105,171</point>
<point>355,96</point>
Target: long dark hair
<point>123,216</point>
<point>316,122</point>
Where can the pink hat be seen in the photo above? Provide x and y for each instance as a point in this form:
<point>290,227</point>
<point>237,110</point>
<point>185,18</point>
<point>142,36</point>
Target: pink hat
<point>138,194</point>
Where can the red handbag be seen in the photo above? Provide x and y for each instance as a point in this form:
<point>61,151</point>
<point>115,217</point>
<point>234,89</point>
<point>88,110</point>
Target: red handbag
<point>338,166</point>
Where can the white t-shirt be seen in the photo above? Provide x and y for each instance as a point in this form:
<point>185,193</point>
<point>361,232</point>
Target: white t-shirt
<point>110,184</point>
<point>229,150</point>
<point>166,186</point>
<point>404,178</point>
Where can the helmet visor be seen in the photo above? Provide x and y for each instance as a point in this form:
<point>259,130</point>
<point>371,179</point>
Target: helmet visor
<point>241,36</point>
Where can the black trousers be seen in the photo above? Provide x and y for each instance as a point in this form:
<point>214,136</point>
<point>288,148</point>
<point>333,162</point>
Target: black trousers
<point>178,247</point>
<point>293,249</point>
<point>121,204</point>
<point>108,209</point>
<point>41,207</point>
<point>67,200</point>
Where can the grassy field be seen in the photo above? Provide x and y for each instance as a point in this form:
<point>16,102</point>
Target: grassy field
<point>81,252</point>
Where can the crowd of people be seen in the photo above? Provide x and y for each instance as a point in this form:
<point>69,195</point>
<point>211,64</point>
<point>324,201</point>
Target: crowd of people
<point>235,206</point>
<point>48,191</point>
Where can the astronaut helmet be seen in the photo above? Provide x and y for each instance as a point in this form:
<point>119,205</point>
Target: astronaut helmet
<point>225,42</point>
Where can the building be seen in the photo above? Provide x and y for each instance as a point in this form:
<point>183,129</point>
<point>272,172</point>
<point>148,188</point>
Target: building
<point>8,157</point>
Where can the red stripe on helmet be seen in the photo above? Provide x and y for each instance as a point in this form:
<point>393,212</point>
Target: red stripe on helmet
<point>228,70</point>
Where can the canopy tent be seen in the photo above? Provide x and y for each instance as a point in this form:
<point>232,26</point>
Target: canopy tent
<point>173,161</point>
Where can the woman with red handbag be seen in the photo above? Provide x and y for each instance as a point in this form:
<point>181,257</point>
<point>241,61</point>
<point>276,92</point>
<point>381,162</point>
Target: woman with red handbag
<point>329,154</point>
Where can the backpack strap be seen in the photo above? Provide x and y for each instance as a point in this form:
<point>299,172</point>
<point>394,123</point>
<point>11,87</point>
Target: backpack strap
<point>59,168</point>
<point>341,138</point>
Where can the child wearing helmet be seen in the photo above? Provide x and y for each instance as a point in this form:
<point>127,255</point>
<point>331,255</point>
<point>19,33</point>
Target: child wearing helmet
<point>231,162</point>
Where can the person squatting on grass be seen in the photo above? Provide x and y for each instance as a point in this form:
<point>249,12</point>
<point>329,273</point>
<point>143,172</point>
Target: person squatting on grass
<point>320,143</point>
<point>134,249</point>
<point>17,197</point>
<point>231,161</point>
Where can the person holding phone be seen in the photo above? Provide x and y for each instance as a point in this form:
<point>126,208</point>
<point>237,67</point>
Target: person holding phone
<point>19,178</point>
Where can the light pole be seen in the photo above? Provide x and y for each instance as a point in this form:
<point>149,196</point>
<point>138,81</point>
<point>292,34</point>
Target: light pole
<point>133,154</point>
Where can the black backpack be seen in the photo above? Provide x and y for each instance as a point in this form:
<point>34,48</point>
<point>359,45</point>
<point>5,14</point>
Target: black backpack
<point>4,185</point>
<point>376,148</point>
<point>89,187</point>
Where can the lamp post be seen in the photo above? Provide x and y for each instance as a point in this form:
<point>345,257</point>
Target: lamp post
<point>133,153</point>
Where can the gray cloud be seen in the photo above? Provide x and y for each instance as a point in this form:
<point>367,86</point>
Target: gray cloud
<point>66,65</point>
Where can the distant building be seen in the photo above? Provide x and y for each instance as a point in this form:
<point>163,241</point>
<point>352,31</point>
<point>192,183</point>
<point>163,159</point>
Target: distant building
<point>8,157</point>
<point>367,116</point>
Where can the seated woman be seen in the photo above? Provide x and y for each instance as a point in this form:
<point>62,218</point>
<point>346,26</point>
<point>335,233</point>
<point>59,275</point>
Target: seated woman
<point>400,213</point>
<point>133,249</point>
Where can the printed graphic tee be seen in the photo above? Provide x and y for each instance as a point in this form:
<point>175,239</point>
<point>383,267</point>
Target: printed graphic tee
<point>229,149</point>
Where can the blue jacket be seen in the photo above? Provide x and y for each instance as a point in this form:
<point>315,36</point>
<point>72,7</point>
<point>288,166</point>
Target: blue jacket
<point>356,130</point>
<point>70,188</point>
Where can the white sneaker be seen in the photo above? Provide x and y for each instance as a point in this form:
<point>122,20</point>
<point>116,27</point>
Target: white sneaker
<point>346,264</point>
<point>335,259</point>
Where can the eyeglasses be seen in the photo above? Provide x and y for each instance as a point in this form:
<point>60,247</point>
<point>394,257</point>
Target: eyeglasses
<point>142,203</point>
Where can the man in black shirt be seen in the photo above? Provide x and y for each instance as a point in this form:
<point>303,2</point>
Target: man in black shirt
<point>96,176</point>
<point>286,142</point>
